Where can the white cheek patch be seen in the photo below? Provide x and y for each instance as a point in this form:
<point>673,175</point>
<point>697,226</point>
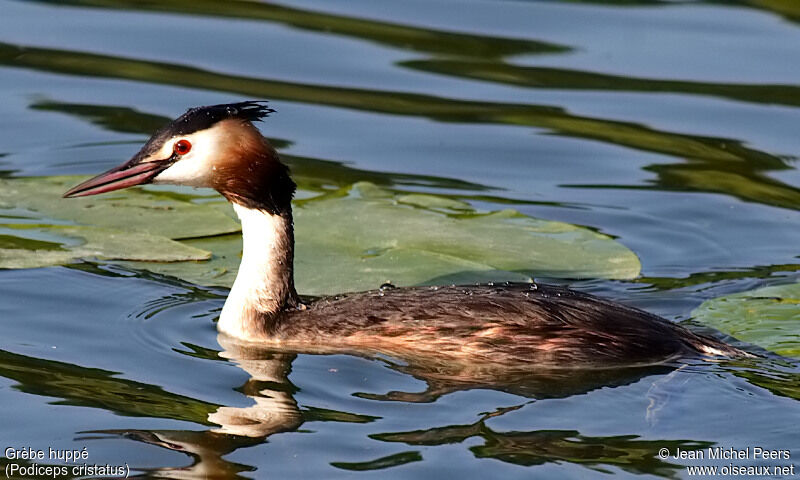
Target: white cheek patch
<point>189,170</point>
<point>196,168</point>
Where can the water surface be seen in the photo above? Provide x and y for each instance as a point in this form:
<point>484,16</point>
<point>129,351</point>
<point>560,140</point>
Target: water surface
<point>671,126</point>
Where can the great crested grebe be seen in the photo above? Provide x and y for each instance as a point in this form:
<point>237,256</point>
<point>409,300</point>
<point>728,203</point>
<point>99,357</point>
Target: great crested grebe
<point>531,324</point>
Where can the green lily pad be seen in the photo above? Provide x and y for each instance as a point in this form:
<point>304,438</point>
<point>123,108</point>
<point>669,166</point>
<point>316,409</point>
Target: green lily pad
<point>353,239</point>
<point>220,270</point>
<point>156,213</point>
<point>768,317</point>
<point>369,237</point>
<point>359,238</point>
<point>72,242</point>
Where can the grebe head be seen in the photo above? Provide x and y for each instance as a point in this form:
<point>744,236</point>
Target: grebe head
<point>215,146</point>
<point>218,146</point>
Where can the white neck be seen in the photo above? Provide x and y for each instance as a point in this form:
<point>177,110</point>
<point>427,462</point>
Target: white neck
<point>264,284</point>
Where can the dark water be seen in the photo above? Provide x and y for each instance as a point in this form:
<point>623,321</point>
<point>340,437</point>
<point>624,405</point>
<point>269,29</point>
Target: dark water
<point>672,126</point>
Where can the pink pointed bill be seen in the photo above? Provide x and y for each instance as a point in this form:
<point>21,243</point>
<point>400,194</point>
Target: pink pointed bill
<point>118,178</point>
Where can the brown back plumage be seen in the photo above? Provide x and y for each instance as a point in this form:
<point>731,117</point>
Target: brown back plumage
<point>523,325</point>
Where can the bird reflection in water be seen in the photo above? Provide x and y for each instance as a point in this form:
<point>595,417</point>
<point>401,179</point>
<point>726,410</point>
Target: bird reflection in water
<point>274,410</point>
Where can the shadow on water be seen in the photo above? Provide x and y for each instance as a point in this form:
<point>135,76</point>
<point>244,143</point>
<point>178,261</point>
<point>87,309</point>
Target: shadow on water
<point>715,165</point>
<point>567,79</point>
<point>398,103</point>
<point>310,173</point>
<point>397,35</point>
<point>406,37</point>
<point>538,447</point>
<point>716,276</point>
<point>272,406</point>
<point>4,173</point>
<point>274,410</point>
<point>556,119</point>
<point>112,118</point>
<point>742,175</point>
<point>745,180</point>
<point>96,388</point>
<point>788,9</point>
<point>484,60</point>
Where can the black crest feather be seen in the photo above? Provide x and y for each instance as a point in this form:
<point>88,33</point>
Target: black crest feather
<point>200,118</point>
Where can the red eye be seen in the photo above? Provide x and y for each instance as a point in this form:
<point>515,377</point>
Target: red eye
<point>182,147</point>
